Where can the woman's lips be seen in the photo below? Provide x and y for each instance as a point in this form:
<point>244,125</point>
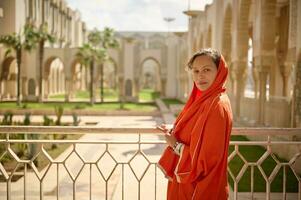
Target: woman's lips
<point>202,82</point>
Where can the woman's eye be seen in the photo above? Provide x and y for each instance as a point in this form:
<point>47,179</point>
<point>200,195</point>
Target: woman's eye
<point>195,71</point>
<point>206,70</point>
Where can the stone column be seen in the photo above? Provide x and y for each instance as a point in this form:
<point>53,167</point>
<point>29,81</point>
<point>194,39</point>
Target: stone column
<point>296,116</point>
<point>68,89</point>
<point>296,122</point>
<point>264,31</point>
<point>121,88</point>
<point>54,79</point>
<point>262,65</point>
<point>52,16</point>
<point>45,89</point>
<point>50,84</point>
<point>1,89</point>
<point>24,87</point>
<point>256,81</point>
<point>83,75</point>
<point>163,81</point>
<point>263,75</point>
<point>286,70</point>
<point>239,75</point>
<point>136,89</point>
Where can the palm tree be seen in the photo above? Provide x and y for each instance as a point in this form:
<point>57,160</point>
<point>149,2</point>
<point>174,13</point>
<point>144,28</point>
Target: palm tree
<point>43,37</point>
<point>26,40</point>
<point>96,50</point>
<point>107,40</point>
<point>85,56</point>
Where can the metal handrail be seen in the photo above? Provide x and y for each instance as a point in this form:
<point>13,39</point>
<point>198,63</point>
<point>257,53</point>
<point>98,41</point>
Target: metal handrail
<point>144,130</point>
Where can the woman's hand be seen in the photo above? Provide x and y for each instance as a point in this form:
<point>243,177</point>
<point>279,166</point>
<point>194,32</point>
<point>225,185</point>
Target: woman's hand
<point>169,138</point>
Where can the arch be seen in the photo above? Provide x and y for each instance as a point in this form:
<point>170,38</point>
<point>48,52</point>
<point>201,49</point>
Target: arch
<point>154,77</point>
<point>54,76</point>
<point>74,65</point>
<point>48,64</point>
<point>31,87</point>
<point>6,67</point>
<point>8,77</point>
<point>148,58</point>
<point>76,76</point>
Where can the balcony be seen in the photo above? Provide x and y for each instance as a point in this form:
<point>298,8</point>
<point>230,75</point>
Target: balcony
<point>120,163</point>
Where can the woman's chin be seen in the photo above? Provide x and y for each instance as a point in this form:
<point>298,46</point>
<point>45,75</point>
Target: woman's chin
<point>201,88</point>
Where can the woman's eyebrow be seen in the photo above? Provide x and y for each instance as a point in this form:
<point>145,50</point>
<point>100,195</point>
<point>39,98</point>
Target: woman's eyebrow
<point>206,65</point>
<point>201,67</point>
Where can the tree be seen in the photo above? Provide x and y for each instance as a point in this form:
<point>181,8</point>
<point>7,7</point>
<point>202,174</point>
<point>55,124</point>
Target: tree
<point>96,51</point>
<point>107,40</point>
<point>43,37</point>
<point>26,40</point>
<point>85,56</point>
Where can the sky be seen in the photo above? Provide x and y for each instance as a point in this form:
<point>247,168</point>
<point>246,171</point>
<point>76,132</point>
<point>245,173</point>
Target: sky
<point>136,15</point>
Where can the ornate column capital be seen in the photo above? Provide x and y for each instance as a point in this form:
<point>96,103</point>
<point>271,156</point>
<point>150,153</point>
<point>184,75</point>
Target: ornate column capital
<point>263,63</point>
<point>238,68</point>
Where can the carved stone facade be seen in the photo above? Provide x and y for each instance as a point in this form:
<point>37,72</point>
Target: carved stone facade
<point>261,40</point>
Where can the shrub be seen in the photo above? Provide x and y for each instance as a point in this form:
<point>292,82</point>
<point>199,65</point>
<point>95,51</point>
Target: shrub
<point>59,110</point>
<point>47,121</point>
<point>26,121</point>
<point>7,118</point>
<point>76,119</point>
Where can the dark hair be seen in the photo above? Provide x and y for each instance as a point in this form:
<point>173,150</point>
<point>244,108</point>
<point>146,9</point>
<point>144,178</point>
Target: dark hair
<point>212,53</point>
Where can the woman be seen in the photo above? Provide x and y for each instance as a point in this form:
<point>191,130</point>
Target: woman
<point>195,161</point>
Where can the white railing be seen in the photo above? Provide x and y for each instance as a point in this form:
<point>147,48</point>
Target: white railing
<point>120,163</point>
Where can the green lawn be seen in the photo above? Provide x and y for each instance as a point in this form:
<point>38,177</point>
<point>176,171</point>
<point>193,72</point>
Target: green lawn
<point>69,106</point>
<point>169,102</point>
<point>57,96</point>
<point>252,154</point>
<point>109,94</point>
<point>148,95</point>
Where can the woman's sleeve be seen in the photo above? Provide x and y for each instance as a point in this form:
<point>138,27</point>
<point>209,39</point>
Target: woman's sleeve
<point>206,150</point>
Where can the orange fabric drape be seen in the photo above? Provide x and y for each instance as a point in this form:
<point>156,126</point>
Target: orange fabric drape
<point>204,127</point>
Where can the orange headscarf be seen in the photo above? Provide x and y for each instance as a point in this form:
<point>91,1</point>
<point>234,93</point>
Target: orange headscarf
<point>204,133</point>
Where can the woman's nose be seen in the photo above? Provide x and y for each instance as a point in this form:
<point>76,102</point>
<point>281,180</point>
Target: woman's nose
<point>201,75</point>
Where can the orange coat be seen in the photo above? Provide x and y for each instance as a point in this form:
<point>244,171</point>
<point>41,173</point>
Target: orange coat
<point>204,127</point>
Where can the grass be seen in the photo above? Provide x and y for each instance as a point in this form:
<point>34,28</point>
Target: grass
<point>109,94</point>
<point>57,96</point>
<point>252,154</point>
<point>169,102</point>
<point>148,95</point>
<point>86,106</point>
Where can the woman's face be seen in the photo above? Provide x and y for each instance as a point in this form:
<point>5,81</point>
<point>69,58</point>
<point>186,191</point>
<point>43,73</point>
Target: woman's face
<point>204,72</point>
